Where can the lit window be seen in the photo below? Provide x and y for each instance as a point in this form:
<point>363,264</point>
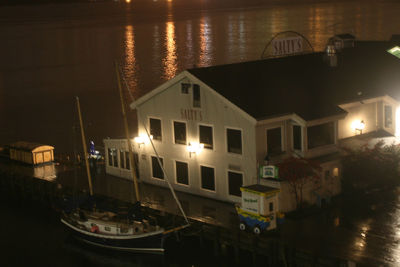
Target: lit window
<point>234,138</point>
<point>206,136</point>
<point>155,129</point>
<point>180,132</point>
<point>335,172</point>
<point>207,178</point>
<point>182,173</point>
<point>156,168</point>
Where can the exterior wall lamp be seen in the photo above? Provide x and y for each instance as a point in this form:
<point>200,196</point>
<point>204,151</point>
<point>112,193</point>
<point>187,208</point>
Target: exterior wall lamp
<point>358,126</point>
<point>142,139</point>
<point>194,147</point>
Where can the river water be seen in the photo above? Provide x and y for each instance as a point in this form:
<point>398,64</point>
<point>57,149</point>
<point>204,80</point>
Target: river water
<point>51,53</point>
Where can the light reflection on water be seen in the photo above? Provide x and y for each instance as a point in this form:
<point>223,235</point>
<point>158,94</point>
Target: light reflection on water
<point>206,35</point>
<point>130,59</point>
<point>170,62</point>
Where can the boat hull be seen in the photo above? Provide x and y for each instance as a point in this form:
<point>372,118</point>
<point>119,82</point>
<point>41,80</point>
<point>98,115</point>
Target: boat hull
<point>152,242</point>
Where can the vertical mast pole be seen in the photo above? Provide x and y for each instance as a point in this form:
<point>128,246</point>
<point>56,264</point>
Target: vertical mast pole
<point>84,147</point>
<point>133,169</point>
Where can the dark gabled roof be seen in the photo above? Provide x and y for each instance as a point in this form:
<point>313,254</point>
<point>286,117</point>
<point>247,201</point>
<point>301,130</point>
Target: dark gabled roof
<point>345,36</point>
<point>306,84</point>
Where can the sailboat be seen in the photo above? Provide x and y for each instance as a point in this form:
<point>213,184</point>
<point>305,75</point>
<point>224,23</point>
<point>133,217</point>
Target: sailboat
<point>136,233</point>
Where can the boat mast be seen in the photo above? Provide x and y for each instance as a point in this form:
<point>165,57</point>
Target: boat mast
<point>84,147</point>
<point>166,176</point>
<point>133,169</point>
<point>155,151</point>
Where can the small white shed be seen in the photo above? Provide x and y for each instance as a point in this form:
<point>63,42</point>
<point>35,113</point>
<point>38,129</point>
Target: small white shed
<point>31,153</point>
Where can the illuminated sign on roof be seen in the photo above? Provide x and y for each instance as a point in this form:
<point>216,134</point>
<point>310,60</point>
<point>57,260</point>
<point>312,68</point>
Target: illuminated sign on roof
<point>395,51</point>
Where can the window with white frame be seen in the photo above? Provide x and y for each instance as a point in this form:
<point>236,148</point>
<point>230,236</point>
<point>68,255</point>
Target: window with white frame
<point>234,140</point>
<point>196,96</point>
<point>180,133</point>
<point>122,159</point>
<point>127,162</point>
<point>321,135</point>
<point>235,181</point>
<point>110,156</point>
<point>157,171</point>
<point>207,178</point>
<point>297,140</point>
<point>185,88</point>
<point>206,136</point>
<point>388,116</point>
<point>182,172</point>
<point>113,157</point>
<point>155,129</point>
<point>274,141</point>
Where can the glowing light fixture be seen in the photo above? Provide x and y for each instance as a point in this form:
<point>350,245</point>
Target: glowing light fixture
<point>142,139</point>
<point>194,147</point>
<point>358,126</point>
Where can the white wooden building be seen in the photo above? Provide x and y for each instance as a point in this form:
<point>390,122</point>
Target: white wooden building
<point>213,127</point>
